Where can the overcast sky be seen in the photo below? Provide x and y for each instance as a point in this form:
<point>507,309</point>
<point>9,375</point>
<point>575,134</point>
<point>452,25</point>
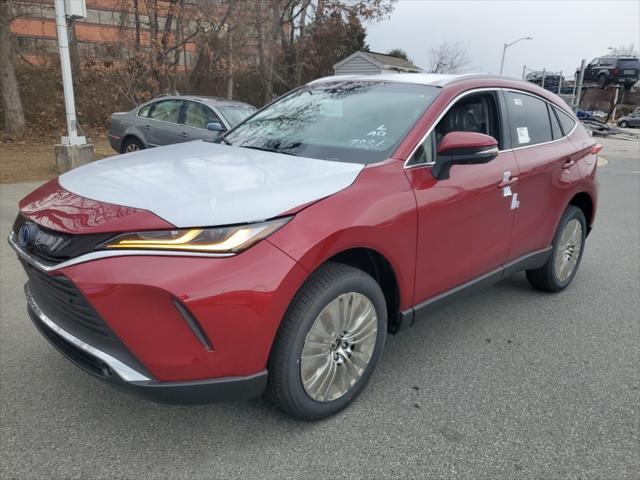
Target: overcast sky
<point>563,32</point>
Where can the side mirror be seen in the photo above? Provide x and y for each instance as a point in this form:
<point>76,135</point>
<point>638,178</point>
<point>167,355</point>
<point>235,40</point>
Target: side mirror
<point>215,127</point>
<point>463,148</point>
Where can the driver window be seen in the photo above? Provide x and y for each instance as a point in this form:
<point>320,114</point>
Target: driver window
<point>473,113</point>
<point>198,115</point>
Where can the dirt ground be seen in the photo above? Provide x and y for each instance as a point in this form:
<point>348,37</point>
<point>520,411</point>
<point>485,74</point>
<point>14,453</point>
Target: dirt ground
<point>23,161</point>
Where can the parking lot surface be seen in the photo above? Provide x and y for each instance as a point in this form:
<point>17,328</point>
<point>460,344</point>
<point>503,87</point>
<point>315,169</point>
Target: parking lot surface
<point>506,383</point>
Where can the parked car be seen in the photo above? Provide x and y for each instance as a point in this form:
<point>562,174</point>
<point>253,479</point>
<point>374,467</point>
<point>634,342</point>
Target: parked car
<point>631,120</point>
<point>278,259</point>
<point>618,70</point>
<point>174,119</point>
<point>552,81</point>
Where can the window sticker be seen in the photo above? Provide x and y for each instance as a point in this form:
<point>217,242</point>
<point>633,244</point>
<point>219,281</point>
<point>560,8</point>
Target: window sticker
<point>523,135</point>
<point>381,131</point>
<point>368,143</point>
<point>517,101</point>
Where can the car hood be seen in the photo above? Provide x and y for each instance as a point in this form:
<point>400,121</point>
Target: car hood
<point>204,184</point>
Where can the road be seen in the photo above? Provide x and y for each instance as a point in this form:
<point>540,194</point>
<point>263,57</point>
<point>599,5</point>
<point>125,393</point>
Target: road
<point>508,383</point>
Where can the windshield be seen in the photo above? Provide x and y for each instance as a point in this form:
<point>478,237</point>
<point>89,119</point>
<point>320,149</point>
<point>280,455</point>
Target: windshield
<point>236,113</point>
<point>358,122</point>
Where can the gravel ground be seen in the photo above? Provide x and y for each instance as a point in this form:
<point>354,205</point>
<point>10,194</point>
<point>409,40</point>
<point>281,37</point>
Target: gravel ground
<point>508,383</point>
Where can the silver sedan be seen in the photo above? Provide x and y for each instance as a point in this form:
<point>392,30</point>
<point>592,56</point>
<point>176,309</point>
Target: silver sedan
<point>174,119</point>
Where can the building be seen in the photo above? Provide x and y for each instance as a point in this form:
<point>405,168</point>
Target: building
<point>107,22</point>
<point>371,63</point>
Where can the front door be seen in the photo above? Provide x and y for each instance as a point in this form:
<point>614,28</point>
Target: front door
<point>196,117</point>
<point>464,222</point>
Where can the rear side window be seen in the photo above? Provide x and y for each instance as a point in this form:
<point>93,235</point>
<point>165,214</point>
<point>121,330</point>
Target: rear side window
<point>566,122</point>
<point>166,111</point>
<point>555,125</point>
<point>529,120</point>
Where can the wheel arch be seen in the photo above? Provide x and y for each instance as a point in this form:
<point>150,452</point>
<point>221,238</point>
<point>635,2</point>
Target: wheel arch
<point>380,268</point>
<point>128,136</point>
<point>584,202</point>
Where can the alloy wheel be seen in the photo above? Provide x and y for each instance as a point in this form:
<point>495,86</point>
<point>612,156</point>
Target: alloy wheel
<point>568,250</point>
<point>338,347</point>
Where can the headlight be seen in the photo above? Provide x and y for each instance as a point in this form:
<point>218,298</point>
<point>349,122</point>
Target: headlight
<point>210,240</point>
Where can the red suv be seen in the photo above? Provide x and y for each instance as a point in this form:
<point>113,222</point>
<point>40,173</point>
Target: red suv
<point>279,258</point>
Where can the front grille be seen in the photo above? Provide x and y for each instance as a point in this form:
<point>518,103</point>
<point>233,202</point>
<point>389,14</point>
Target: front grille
<point>51,247</point>
<point>60,300</point>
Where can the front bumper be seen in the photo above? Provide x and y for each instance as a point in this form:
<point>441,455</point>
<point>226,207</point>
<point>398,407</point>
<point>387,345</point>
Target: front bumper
<point>106,367</point>
<point>134,319</point>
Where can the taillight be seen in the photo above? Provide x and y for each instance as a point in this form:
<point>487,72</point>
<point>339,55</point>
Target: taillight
<point>595,149</point>
<point>616,71</point>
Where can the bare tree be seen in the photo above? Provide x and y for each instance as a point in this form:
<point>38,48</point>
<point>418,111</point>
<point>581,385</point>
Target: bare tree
<point>625,50</point>
<point>11,103</point>
<point>449,58</point>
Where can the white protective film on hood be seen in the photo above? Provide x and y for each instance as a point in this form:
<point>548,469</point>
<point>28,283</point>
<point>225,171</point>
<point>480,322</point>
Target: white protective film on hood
<point>205,184</point>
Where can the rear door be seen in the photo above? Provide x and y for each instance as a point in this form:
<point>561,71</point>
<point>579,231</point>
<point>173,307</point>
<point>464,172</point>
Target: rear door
<point>464,222</point>
<point>546,161</point>
<point>161,127</point>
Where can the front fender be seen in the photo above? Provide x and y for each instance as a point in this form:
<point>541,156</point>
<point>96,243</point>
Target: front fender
<point>377,212</point>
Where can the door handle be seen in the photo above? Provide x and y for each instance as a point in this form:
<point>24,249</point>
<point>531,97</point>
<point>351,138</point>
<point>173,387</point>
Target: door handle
<point>508,182</point>
<point>568,163</point>
<point>147,127</point>
<point>183,134</point>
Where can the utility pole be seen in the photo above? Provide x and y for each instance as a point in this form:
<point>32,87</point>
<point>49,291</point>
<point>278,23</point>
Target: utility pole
<point>507,45</point>
<point>67,80</point>
<point>73,150</point>
<point>580,79</point>
<point>559,83</point>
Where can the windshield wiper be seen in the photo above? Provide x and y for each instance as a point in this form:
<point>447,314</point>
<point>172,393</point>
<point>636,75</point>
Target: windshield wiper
<point>268,149</point>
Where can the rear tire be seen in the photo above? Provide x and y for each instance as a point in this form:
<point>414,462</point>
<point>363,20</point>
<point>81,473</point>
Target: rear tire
<point>602,81</point>
<point>568,246</point>
<point>132,144</point>
<point>328,344</point>
<point>623,124</point>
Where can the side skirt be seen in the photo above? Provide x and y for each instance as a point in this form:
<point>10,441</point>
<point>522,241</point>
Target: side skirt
<point>531,261</point>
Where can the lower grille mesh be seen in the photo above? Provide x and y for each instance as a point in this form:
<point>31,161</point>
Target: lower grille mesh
<point>58,298</point>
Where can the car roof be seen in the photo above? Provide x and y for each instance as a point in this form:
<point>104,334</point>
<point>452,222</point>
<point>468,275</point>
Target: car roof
<point>463,81</point>
<point>217,101</point>
<point>433,79</point>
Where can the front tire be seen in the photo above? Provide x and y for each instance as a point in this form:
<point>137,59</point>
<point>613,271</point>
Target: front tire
<point>623,124</point>
<point>568,246</point>
<point>329,343</point>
